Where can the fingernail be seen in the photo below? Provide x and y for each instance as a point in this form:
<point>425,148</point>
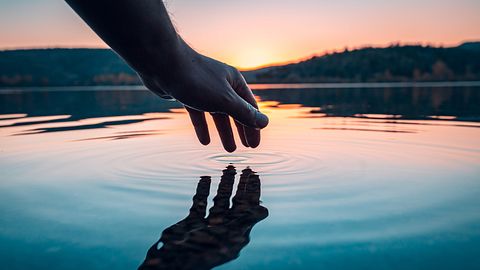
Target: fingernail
<point>261,120</point>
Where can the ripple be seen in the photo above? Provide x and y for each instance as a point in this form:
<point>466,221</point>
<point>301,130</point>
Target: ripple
<point>251,158</point>
<point>310,177</point>
<point>151,165</point>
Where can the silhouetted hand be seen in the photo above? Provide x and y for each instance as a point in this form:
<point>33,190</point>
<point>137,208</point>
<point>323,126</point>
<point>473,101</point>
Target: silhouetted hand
<point>203,85</point>
<point>199,242</point>
<point>141,33</point>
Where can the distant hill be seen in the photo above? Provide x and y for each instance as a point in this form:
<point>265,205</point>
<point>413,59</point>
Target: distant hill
<point>64,67</point>
<point>474,46</point>
<point>391,64</point>
<point>83,67</point>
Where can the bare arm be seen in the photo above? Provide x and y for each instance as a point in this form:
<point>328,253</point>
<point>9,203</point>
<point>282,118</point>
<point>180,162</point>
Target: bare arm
<point>141,32</point>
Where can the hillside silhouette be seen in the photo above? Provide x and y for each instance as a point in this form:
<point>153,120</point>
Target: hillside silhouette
<point>90,67</point>
<point>391,64</point>
<point>64,67</point>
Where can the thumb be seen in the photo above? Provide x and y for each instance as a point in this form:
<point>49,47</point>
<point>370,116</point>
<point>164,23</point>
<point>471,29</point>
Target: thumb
<point>246,114</point>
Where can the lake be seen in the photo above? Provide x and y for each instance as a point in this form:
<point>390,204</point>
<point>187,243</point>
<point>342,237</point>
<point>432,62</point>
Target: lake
<point>350,177</point>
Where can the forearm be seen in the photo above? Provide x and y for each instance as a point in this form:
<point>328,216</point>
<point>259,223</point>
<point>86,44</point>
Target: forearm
<point>141,32</point>
<point>138,30</point>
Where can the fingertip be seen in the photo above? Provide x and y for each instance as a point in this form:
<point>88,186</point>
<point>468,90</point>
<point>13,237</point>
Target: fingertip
<point>204,141</point>
<point>230,148</point>
<point>254,144</point>
<point>261,120</point>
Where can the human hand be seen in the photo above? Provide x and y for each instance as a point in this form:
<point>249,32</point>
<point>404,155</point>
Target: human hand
<point>203,84</point>
<point>199,242</point>
<point>142,33</point>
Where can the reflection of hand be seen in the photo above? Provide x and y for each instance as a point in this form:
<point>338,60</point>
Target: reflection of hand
<point>203,85</point>
<point>197,242</point>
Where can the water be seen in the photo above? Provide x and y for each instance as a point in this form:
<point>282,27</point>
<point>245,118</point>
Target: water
<point>349,178</point>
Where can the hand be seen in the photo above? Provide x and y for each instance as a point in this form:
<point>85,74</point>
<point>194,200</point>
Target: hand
<point>201,243</point>
<point>142,33</point>
<point>204,85</point>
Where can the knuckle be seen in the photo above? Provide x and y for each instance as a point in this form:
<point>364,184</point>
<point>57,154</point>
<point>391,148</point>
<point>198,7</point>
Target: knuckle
<point>233,70</point>
<point>234,75</point>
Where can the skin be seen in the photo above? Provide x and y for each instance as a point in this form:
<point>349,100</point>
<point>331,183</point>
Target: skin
<point>142,33</point>
<point>200,242</point>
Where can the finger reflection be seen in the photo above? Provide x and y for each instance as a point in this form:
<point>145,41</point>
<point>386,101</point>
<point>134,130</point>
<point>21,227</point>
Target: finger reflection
<point>199,242</point>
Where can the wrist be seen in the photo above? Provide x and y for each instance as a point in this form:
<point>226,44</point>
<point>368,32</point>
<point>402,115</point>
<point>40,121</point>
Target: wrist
<point>156,56</point>
<point>166,67</point>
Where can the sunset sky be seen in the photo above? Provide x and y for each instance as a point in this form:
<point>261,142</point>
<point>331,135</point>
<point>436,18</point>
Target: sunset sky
<point>252,33</point>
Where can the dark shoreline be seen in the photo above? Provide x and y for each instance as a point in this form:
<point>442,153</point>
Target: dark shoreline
<point>258,86</point>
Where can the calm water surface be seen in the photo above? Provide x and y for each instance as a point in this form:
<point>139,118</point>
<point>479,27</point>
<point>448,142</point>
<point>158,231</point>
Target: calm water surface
<point>361,178</point>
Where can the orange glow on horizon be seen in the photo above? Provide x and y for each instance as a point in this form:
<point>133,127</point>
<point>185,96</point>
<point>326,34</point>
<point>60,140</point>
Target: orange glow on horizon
<point>250,34</point>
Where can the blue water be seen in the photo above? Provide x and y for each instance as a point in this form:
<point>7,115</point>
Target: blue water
<point>346,178</point>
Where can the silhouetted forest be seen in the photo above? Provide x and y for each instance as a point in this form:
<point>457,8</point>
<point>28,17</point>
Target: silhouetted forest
<point>64,67</point>
<point>83,67</point>
<point>391,64</point>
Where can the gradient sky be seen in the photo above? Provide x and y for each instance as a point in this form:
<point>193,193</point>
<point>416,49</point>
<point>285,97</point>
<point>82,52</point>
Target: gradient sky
<point>251,33</point>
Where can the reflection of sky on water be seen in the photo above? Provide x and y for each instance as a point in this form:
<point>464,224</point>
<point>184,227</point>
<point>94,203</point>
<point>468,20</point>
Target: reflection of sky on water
<point>376,179</point>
